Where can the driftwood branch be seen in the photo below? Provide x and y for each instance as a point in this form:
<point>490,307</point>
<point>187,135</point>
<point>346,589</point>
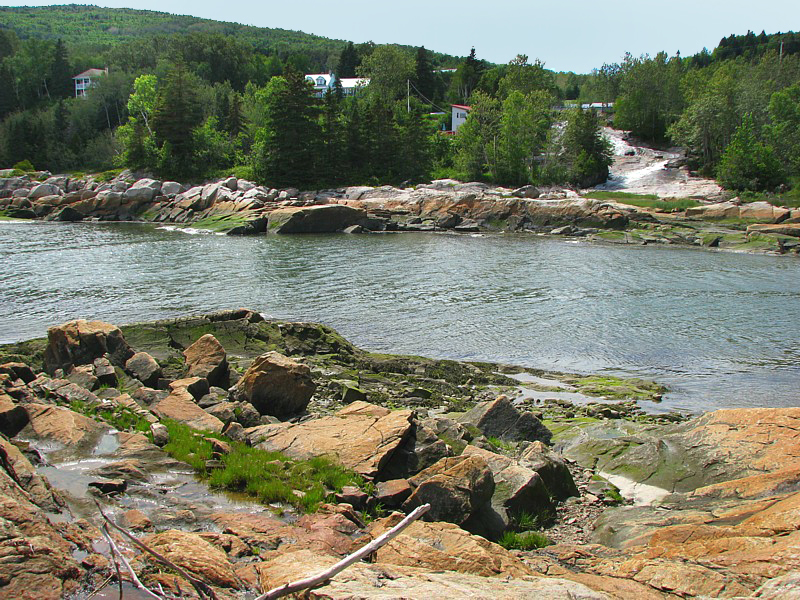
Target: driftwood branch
<point>113,551</point>
<point>136,582</point>
<point>202,588</point>
<point>378,542</point>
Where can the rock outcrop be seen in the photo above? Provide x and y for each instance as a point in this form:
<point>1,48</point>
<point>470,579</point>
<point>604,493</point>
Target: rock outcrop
<point>276,385</point>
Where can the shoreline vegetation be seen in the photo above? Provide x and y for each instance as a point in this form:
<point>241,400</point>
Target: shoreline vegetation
<point>252,452</point>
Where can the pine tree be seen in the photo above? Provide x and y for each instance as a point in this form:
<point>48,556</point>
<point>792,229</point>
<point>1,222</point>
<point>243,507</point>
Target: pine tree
<point>61,83</point>
<point>348,61</point>
<point>176,114</point>
<point>424,78</point>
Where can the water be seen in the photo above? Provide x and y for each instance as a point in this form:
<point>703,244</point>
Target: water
<point>720,329</point>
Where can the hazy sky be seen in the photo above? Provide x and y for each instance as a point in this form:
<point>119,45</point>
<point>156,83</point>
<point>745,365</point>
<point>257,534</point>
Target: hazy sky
<point>575,35</point>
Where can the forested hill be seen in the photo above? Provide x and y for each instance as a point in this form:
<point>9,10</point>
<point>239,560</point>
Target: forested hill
<point>101,27</point>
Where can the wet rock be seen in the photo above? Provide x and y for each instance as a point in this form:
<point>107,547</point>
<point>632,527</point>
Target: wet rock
<point>207,358</point>
<point>81,342</point>
<point>455,487</point>
<point>361,436</point>
<point>276,385</point>
<point>199,558</point>
<point>180,406</point>
<point>109,486</point>
<point>501,419</point>
<point>127,470</point>
<point>160,434</point>
<point>144,368</point>
<point>136,520</point>
<point>61,424</point>
<point>67,214</point>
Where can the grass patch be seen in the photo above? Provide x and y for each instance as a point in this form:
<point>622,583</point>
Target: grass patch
<point>645,200</point>
<point>119,417</point>
<point>618,388</point>
<point>528,540</point>
<point>107,176</point>
<point>500,445</point>
<point>266,476</point>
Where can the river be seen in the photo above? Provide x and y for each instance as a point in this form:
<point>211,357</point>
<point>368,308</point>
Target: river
<point>720,329</point>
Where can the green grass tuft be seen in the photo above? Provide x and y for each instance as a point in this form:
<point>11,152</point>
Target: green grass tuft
<point>269,477</point>
<point>528,540</point>
<point>645,200</point>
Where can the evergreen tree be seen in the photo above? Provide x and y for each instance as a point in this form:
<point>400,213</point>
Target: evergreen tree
<point>424,79</point>
<point>177,113</point>
<point>285,146</point>
<point>348,61</point>
<point>61,83</point>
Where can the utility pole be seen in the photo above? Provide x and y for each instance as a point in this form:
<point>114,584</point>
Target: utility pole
<point>408,95</point>
<point>780,62</point>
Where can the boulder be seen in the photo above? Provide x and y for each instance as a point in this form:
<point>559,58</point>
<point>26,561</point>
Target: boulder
<point>501,419</point>
<point>444,547</point>
<point>326,218</point>
<point>421,449</point>
<point>526,191</point>
<point>13,417</point>
<point>81,342</point>
<point>455,487</point>
<point>551,468</point>
<point>231,183</point>
<point>207,358</point>
<point>44,189</point>
<point>194,554</point>
<point>144,368</point>
<point>171,188</point>
<point>361,437</point>
<point>276,385</point>
<point>392,493</point>
<point>61,425</point>
<point>790,229</point>
<point>197,386</point>
<point>142,191</point>
<point>65,215</point>
<point>160,434</point>
<point>519,492</point>
<point>180,406</point>
<point>389,582</point>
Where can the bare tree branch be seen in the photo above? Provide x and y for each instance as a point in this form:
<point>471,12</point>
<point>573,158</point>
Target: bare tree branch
<point>202,588</point>
<point>127,565</point>
<point>378,542</point>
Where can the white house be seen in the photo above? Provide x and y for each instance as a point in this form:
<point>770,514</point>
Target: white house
<point>459,116</point>
<point>83,81</point>
<point>324,82</point>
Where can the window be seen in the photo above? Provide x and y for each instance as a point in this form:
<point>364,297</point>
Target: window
<point>320,81</point>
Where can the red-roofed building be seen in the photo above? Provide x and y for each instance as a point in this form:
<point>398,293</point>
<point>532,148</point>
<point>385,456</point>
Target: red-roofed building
<point>83,81</point>
<point>459,117</point>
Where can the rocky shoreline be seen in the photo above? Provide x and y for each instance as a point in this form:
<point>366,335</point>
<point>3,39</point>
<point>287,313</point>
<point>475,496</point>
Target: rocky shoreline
<point>253,452</point>
<point>240,207</point>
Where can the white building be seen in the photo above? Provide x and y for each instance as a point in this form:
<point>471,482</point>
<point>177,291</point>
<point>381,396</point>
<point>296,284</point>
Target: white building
<point>459,116</point>
<point>83,81</point>
<point>323,82</point>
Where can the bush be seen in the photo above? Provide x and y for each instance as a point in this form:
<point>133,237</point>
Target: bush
<point>748,164</point>
<point>529,540</point>
<point>24,165</point>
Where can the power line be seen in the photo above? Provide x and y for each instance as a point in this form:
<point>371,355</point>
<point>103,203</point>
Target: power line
<point>425,98</point>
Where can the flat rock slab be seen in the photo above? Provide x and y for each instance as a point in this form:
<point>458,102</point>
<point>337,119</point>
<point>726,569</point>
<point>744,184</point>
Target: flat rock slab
<point>180,405</point>
<point>361,437</point>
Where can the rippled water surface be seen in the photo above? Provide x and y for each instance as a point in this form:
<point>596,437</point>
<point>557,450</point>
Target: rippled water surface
<point>720,329</point>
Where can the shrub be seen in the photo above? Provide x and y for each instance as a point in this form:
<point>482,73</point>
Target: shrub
<point>24,165</point>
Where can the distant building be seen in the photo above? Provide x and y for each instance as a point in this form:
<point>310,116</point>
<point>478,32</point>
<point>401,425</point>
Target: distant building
<point>324,82</point>
<point>83,81</point>
<point>459,116</point>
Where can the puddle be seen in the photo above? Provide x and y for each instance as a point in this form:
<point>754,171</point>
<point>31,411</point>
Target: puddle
<point>108,444</point>
<point>541,381</point>
<point>640,493</point>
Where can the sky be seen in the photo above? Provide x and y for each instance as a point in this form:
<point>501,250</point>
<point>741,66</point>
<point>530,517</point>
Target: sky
<point>567,35</point>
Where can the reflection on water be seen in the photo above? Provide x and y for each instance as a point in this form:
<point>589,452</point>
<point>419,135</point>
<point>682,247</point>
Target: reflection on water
<point>719,328</point>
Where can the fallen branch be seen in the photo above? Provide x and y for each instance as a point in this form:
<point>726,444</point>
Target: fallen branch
<point>111,548</point>
<point>378,542</point>
<point>138,584</point>
<point>202,588</point>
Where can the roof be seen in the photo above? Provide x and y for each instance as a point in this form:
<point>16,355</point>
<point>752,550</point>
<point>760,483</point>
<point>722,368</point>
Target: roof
<point>461,106</point>
<point>314,76</point>
<point>91,73</point>
<point>351,82</point>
